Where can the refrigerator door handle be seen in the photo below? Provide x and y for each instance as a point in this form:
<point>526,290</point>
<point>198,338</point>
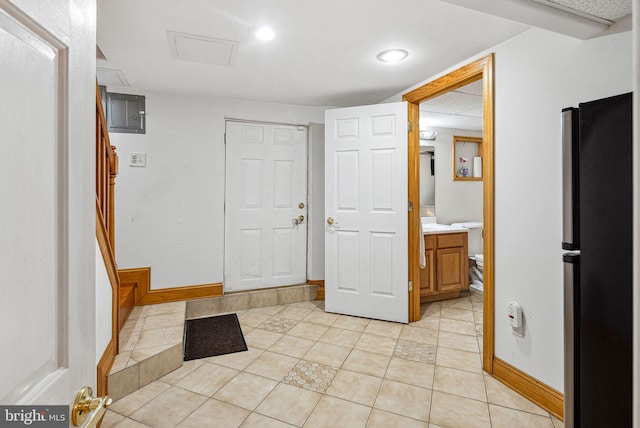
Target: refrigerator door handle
<point>571,326</point>
<point>570,219</point>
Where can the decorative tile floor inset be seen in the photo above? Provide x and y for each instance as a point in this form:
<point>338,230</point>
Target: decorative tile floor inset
<point>414,351</point>
<point>312,376</point>
<point>278,325</point>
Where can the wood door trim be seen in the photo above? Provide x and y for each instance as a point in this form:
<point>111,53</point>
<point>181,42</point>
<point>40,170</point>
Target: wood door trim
<point>141,277</point>
<point>481,68</point>
<point>536,391</point>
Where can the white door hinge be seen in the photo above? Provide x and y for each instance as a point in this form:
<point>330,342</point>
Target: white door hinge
<point>225,138</point>
<point>410,285</point>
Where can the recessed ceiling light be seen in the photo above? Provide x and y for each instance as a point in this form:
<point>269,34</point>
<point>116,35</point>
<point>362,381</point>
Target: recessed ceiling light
<point>392,55</point>
<point>264,34</point>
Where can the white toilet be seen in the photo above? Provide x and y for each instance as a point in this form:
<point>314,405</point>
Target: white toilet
<point>476,256</point>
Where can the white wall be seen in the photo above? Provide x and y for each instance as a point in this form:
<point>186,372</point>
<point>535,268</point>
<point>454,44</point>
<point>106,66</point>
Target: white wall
<point>456,201</point>
<point>537,73</point>
<point>170,215</point>
<point>103,305</point>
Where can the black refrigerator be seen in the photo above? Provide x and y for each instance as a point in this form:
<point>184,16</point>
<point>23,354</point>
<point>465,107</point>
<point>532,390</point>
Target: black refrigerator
<point>597,232</point>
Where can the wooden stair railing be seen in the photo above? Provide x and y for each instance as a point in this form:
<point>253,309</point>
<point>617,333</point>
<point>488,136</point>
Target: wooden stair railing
<point>106,171</point>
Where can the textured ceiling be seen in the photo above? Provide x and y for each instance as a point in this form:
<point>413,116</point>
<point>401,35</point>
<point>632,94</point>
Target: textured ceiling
<point>459,109</point>
<point>610,10</point>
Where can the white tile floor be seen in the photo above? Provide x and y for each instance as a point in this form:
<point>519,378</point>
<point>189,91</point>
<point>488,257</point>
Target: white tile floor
<point>308,368</point>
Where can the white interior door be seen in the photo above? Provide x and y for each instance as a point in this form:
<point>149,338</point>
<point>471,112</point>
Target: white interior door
<point>47,231</point>
<point>265,205</point>
<point>366,263</point>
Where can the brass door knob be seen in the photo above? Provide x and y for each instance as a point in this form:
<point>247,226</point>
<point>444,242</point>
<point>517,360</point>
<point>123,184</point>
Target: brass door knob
<point>330,221</point>
<point>85,404</point>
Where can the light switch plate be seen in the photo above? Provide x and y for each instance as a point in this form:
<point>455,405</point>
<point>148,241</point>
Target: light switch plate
<point>138,159</point>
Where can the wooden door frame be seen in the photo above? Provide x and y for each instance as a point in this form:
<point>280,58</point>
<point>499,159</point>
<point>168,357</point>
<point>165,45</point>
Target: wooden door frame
<point>481,68</point>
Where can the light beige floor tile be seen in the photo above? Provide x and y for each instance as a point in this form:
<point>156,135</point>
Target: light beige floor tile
<point>271,365</point>
<point>458,341</point>
<point>130,423</point>
<point>333,412</point>
<point>111,419</point>
<point>180,372</point>
<point>432,323</point>
<point>384,328</point>
<point>453,411</point>
<point>356,387</point>
<point>325,353</point>
<point>458,382</point>
<point>460,327</point>
<point>292,346</point>
<point>351,323</point>
<point>278,325</point>
<point>367,362</point>
<point>166,336</point>
<point>169,408</point>
<point>253,318</point>
<point>236,360</point>
<point>270,310</point>
<point>256,420</point>
<point>308,330</point>
<point>478,317</point>
<point>414,351</point>
<point>261,339</point>
<point>207,379</point>
<point>462,303</point>
<point>289,404</point>
<point>163,321</point>
<point>246,329</point>
<point>165,308</point>
<point>294,313</point>
<point>382,419</point>
<point>457,359</point>
<point>430,309</point>
<point>557,423</point>
<point>214,413</point>
<point>142,354</point>
<point>246,390</point>
<point>120,362</point>
<point>501,417</point>
<point>132,402</point>
<point>322,318</point>
<point>456,314</point>
<point>406,400</point>
<point>340,337</point>
<point>410,372</point>
<point>502,395</point>
<point>377,344</point>
<point>307,304</point>
<point>419,335</point>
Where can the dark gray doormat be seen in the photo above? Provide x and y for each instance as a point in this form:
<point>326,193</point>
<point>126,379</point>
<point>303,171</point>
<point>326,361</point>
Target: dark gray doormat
<point>207,337</point>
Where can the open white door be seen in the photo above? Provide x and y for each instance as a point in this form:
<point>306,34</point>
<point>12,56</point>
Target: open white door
<point>366,262</point>
<point>265,243</point>
<point>47,226</point>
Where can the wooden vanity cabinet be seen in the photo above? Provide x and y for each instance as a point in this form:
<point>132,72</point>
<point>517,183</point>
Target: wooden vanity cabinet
<point>447,270</point>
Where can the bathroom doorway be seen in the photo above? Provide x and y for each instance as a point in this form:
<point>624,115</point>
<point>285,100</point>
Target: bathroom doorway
<point>481,69</point>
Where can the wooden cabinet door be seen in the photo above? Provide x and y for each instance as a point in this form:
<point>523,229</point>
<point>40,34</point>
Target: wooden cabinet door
<point>450,272</point>
<point>428,274</point>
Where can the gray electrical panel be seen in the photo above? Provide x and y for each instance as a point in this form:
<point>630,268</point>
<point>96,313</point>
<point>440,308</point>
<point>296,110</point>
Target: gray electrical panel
<point>125,113</point>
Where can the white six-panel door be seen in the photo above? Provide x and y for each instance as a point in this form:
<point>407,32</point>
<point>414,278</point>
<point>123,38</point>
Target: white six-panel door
<point>266,191</point>
<point>47,229</point>
<point>366,264</point>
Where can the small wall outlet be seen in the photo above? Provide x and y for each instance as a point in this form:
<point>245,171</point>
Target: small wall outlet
<point>138,159</point>
<point>514,312</point>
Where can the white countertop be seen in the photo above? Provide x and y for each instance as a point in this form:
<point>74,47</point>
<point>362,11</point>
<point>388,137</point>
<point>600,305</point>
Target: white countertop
<point>435,228</point>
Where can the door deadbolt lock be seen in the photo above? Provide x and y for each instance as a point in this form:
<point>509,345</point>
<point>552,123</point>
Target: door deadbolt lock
<point>301,205</point>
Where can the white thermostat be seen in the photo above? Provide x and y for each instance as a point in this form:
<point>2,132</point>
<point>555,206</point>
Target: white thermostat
<point>514,313</point>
